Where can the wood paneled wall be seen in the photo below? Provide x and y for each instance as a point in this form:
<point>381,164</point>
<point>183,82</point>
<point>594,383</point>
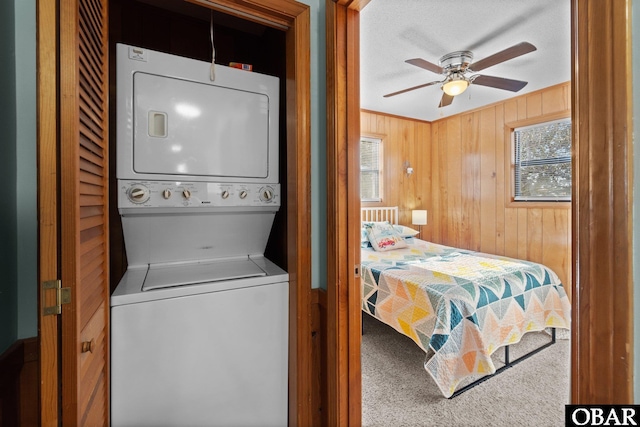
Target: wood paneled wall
<point>461,166</point>
<point>404,142</point>
<point>19,384</point>
<point>471,197</point>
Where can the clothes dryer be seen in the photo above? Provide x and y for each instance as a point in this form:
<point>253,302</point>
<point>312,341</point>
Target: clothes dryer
<point>199,321</point>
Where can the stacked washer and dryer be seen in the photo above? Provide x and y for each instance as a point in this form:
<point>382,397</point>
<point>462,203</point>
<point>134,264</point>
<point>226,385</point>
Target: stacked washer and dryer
<point>199,321</point>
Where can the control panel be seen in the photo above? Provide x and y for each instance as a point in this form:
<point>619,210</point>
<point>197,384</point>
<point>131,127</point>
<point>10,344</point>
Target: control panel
<point>169,194</point>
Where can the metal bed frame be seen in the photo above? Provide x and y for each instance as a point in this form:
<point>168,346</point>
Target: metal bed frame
<point>390,214</point>
<point>508,364</point>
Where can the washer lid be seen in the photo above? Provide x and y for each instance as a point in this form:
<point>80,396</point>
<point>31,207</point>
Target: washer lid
<point>166,276</point>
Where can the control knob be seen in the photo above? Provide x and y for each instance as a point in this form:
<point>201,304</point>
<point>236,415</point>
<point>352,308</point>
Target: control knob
<point>266,194</point>
<point>186,193</point>
<point>166,193</point>
<point>138,193</point>
<point>243,194</point>
<point>225,194</point>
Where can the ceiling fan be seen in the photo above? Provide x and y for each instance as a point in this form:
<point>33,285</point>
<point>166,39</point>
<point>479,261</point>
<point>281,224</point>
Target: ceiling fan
<point>458,68</point>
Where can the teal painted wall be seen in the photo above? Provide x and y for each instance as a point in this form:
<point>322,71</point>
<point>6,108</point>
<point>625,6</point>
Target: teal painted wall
<point>318,144</point>
<point>26,185</point>
<point>18,212</point>
<point>8,219</point>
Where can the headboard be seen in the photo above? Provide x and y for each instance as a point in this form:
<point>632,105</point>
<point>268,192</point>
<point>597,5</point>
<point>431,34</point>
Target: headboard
<point>383,213</point>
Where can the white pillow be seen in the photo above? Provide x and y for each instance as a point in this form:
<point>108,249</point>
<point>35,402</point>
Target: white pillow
<point>405,231</point>
<point>364,237</point>
<point>384,237</point>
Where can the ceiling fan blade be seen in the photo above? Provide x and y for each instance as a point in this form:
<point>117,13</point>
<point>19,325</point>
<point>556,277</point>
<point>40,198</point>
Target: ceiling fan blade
<point>410,88</point>
<point>445,100</point>
<point>418,62</point>
<point>499,82</point>
<point>504,55</point>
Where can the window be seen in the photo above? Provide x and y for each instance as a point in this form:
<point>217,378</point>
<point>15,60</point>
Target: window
<point>370,169</point>
<point>542,161</point>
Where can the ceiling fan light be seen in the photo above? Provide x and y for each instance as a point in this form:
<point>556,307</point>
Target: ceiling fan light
<point>455,87</point>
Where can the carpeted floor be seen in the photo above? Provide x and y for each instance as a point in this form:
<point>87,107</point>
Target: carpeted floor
<point>397,391</point>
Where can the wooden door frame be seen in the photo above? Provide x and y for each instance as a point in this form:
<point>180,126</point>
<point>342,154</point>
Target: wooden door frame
<point>602,203</point>
<point>601,207</point>
<point>48,227</point>
<point>294,19</point>
<point>344,322</point>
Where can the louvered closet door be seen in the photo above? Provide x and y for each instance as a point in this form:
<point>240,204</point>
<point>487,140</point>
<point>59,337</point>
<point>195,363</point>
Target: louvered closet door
<point>84,211</point>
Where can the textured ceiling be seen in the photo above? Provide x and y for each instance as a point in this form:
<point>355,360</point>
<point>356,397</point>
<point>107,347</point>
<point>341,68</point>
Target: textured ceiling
<point>392,31</point>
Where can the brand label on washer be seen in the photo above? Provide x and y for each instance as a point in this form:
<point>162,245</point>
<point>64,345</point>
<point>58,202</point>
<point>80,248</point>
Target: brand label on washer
<point>137,54</point>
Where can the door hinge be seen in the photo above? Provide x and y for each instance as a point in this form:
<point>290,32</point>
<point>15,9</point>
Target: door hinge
<point>356,270</point>
<point>63,296</point>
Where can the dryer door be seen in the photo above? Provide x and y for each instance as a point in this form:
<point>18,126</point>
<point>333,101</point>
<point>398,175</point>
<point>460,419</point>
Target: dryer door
<point>186,128</point>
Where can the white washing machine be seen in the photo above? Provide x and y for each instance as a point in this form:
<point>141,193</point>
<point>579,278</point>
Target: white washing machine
<point>199,322</point>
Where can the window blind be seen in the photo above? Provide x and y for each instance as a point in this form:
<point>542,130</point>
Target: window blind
<point>543,161</point>
<point>370,169</point>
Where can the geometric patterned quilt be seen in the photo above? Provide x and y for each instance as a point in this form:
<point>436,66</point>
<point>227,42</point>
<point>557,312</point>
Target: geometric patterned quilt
<point>460,306</point>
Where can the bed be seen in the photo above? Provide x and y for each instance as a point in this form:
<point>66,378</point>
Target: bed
<point>458,305</point>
